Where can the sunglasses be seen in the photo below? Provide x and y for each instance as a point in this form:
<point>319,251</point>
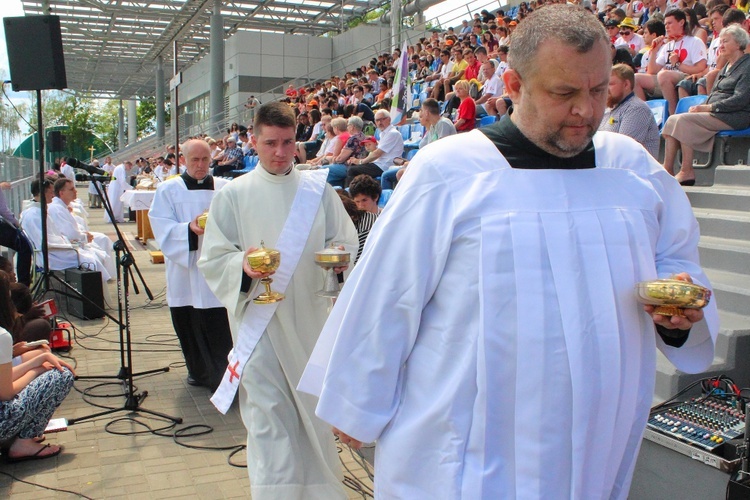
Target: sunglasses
<point>625,32</point>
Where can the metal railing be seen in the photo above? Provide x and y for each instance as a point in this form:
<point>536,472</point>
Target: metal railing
<point>19,172</point>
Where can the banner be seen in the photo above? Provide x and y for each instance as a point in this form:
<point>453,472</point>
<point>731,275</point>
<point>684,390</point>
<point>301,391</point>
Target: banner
<point>401,88</point>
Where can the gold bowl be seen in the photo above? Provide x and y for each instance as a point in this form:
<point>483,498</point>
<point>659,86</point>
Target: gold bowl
<point>264,260</point>
<point>202,219</point>
<point>670,295</point>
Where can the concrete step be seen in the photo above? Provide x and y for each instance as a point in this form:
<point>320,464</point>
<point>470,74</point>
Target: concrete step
<point>720,197</point>
<point>732,175</point>
<point>732,349</point>
<point>731,291</point>
<point>730,224</point>
<point>725,254</point>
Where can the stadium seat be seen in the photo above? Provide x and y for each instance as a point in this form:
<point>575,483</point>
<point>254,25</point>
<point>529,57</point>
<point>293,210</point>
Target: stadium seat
<point>405,131</point>
<point>684,104</point>
<point>410,154</point>
<point>660,110</point>
<point>384,197</point>
<point>487,120</point>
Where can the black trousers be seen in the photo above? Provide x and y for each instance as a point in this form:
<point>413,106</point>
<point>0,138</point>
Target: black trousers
<point>206,340</point>
<point>368,169</point>
<point>11,237</point>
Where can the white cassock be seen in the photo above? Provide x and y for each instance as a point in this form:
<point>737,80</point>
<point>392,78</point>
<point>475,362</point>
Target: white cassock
<point>291,453</point>
<point>62,253</point>
<point>172,210</point>
<point>69,226</point>
<point>490,340</point>
<point>118,185</point>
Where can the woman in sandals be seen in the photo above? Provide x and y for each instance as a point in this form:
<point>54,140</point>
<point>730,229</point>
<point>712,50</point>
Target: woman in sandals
<point>32,386</point>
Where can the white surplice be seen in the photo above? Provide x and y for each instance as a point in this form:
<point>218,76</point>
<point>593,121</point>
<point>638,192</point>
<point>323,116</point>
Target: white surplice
<point>62,253</point>
<point>490,339</point>
<point>171,212</point>
<point>118,185</point>
<point>291,453</point>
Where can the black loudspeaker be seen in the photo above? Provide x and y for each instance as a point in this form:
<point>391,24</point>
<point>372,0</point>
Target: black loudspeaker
<point>88,284</point>
<point>57,141</point>
<point>35,52</point>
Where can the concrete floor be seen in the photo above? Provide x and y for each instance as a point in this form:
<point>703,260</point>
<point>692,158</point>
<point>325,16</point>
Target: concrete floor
<point>100,464</point>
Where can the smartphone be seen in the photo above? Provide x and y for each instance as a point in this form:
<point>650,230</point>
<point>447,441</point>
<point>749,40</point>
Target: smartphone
<point>37,343</point>
<point>398,161</point>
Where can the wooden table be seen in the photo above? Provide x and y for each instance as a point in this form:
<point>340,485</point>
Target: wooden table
<point>140,201</point>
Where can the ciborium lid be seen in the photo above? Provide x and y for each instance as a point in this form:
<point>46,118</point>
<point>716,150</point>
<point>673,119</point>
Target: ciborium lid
<point>264,260</point>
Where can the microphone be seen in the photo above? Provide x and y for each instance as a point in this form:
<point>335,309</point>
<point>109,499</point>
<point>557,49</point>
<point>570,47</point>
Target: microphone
<point>83,166</point>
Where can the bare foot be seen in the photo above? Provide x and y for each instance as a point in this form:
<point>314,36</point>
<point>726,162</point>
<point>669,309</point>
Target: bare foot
<point>28,447</point>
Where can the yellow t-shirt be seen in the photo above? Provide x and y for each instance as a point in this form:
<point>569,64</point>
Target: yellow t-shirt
<point>459,67</point>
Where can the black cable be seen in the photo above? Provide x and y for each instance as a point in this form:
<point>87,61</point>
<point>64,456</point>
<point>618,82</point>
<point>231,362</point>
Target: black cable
<point>50,488</point>
<point>351,481</point>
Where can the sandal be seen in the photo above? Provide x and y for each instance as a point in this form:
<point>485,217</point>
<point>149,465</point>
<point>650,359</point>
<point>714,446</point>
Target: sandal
<point>35,456</point>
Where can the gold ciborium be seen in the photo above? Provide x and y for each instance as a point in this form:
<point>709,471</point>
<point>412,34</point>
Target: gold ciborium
<point>670,296</point>
<point>328,259</point>
<point>265,260</point>
<point>202,219</point>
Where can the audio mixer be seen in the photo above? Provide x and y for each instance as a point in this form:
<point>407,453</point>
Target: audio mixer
<point>703,422</point>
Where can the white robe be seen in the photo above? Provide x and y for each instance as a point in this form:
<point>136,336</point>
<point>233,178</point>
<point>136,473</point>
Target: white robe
<point>118,185</point>
<point>69,172</point>
<point>172,210</point>
<point>62,253</point>
<point>69,226</point>
<point>490,340</point>
<point>291,453</point>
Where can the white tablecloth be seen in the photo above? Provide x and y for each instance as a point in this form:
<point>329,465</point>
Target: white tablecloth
<point>138,199</point>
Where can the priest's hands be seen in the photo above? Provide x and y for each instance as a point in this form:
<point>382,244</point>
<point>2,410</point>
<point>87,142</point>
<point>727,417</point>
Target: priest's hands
<point>347,439</point>
<point>677,322</point>
<point>248,270</point>
<point>195,228</point>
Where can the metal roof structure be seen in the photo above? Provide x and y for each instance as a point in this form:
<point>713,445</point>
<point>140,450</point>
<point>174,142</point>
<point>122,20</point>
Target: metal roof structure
<point>111,46</point>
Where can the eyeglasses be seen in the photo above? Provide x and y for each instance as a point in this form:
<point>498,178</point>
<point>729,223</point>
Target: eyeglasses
<point>381,119</point>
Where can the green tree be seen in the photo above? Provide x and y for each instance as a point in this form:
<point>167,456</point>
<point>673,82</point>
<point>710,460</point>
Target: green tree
<point>146,117</point>
<point>105,122</point>
<point>78,116</point>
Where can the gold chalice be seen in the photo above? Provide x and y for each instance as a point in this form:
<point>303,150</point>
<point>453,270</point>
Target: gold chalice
<point>265,260</point>
<point>202,219</point>
<point>670,296</point>
<point>328,259</point>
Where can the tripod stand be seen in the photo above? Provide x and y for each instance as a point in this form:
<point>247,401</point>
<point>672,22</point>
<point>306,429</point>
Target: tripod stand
<point>125,260</point>
<point>132,400</point>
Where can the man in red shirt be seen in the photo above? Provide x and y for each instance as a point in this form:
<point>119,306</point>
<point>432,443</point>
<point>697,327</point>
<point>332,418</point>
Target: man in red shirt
<point>472,70</point>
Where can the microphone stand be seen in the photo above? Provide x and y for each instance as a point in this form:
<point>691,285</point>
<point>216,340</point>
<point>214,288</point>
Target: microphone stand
<point>132,401</point>
<point>120,247</point>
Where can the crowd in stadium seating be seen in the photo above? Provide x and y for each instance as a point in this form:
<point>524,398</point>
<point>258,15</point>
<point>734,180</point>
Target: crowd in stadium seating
<point>667,49</point>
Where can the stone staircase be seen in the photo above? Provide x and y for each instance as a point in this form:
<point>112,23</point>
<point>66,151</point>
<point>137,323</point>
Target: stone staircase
<point>723,212</point>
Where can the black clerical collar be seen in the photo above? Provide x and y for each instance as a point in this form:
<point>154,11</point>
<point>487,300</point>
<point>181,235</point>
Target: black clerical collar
<point>206,183</point>
<point>520,152</point>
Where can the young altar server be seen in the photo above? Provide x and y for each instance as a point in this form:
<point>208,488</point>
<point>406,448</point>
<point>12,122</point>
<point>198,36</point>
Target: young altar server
<point>290,452</point>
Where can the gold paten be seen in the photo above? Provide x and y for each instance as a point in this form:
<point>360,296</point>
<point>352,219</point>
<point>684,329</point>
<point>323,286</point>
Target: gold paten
<point>670,296</point>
